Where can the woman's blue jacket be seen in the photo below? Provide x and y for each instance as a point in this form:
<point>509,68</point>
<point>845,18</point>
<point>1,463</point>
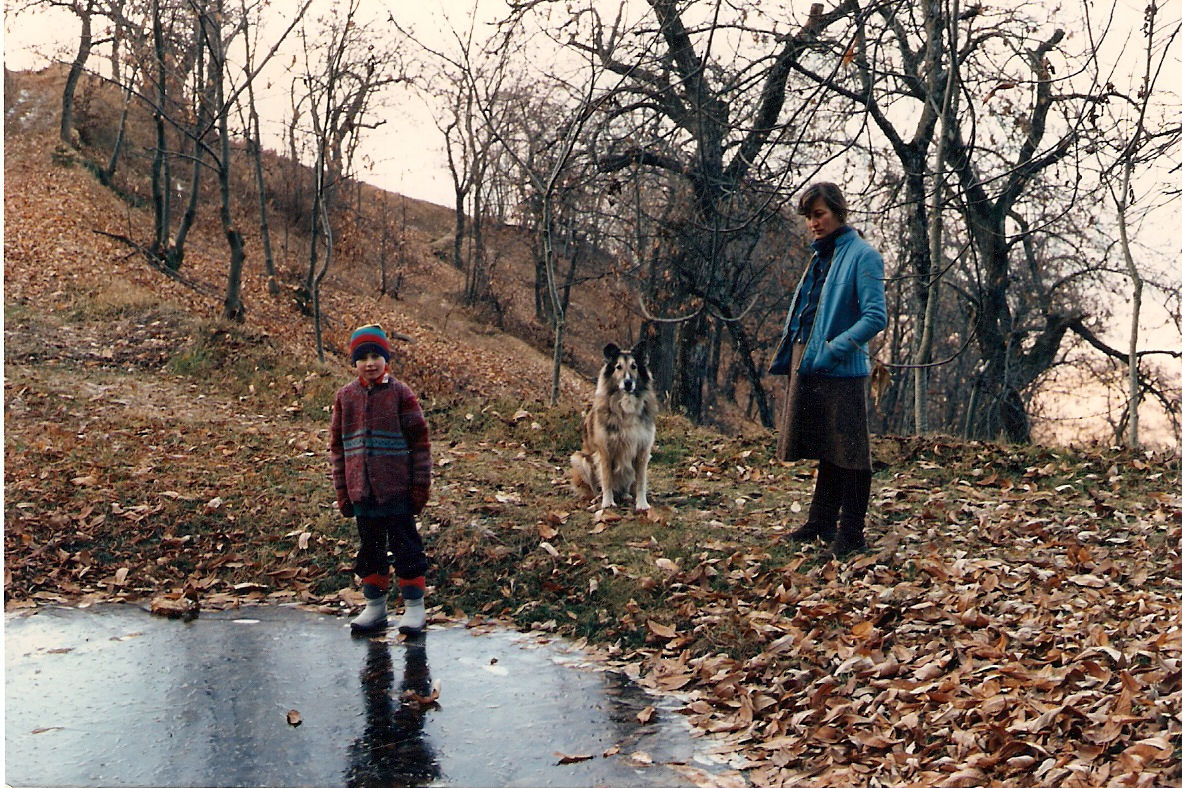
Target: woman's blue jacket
<point>851,310</point>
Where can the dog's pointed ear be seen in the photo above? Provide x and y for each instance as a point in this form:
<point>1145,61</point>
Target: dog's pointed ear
<point>640,351</point>
<point>610,351</point>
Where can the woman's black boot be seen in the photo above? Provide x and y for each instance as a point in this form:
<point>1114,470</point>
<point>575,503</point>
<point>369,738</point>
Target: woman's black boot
<point>850,540</point>
<point>825,505</point>
<point>855,499</point>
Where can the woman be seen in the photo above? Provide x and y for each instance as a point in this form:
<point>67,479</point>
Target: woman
<point>837,308</point>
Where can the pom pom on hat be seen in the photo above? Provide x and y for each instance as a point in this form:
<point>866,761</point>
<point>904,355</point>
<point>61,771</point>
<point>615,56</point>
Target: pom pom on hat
<point>366,339</point>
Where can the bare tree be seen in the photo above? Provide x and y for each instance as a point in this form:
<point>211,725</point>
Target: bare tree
<point>545,175</point>
<point>128,46</point>
<point>345,70</point>
<point>254,147</point>
<point>86,11</point>
<point>216,38</point>
<point>218,29</point>
<point>1000,150</point>
<point>1139,147</point>
<point>689,107</point>
<point>208,77</point>
<point>161,178</point>
<point>458,77</point>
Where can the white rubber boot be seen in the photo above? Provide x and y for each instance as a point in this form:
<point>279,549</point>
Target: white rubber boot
<point>414,617</point>
<point>373,618</point>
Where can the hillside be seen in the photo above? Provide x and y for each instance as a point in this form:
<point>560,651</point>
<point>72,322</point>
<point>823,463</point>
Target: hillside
<point>455,349</point>
<point>1017,621</point>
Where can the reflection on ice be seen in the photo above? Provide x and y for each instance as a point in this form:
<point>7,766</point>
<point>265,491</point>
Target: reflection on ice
<point>393,744</point>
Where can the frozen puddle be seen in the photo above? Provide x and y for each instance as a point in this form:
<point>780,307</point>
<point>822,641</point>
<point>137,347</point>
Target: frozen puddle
<point>113,696</point>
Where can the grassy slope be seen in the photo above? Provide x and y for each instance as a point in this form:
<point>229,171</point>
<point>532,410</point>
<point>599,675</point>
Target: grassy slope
<point>1018,616</point>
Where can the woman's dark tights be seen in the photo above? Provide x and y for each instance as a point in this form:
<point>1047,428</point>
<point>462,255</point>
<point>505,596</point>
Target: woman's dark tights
<point>841,493</point>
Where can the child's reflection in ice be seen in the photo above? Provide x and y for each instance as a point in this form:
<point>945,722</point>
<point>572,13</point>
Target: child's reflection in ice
<point>393,751</point>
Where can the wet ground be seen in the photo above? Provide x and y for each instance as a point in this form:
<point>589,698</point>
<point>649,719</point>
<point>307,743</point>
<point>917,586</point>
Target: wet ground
<point>279,696</point>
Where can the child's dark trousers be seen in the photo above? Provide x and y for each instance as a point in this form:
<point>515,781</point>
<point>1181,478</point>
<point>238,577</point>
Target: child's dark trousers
<point>395,533</point>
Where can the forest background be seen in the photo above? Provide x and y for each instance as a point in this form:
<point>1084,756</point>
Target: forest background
<point>1017,164</point>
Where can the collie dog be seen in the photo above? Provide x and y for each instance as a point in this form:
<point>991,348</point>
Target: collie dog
<point>618,431</point>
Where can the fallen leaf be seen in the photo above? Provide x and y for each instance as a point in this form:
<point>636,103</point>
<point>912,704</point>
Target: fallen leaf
<point>564,759</point>
<point>661,630</point>
<point>412,698</point>
<point>667,565</point>
<point>964,778</point>
<point>174,605</point>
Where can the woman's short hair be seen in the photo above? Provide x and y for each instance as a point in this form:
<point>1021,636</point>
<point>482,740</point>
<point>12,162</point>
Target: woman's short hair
<point>830,193</point>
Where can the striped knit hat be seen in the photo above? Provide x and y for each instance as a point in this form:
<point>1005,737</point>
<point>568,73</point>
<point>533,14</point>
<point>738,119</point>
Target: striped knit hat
<point>366,339</point>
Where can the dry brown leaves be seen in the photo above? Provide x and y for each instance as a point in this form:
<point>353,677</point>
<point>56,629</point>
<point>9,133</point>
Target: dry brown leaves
<point>1004,635</point>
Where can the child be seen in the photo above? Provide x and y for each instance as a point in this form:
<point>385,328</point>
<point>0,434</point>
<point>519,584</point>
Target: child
<point>381,468</point>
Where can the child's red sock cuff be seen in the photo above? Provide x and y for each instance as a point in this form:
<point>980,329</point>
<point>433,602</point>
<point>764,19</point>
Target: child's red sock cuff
<point>381,581</point>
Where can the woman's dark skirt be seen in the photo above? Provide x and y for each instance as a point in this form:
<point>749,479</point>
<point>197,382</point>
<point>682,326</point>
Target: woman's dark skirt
<point>824,419</point>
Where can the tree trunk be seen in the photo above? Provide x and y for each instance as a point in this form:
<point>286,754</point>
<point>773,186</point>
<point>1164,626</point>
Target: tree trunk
<point>328,244</point>
<point>559,315</point>
<point>690,366</point>
<point>255,146</point>
<point>161,179</point>
<point>117,148</point>
<point>207,90</point>
<point>742,344</point>
<point>233,308</point>
<point>77,68</point>
<point>930,281</point>
<point>541,294</point>
<point>476,287</point>
<point>457,252</point>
